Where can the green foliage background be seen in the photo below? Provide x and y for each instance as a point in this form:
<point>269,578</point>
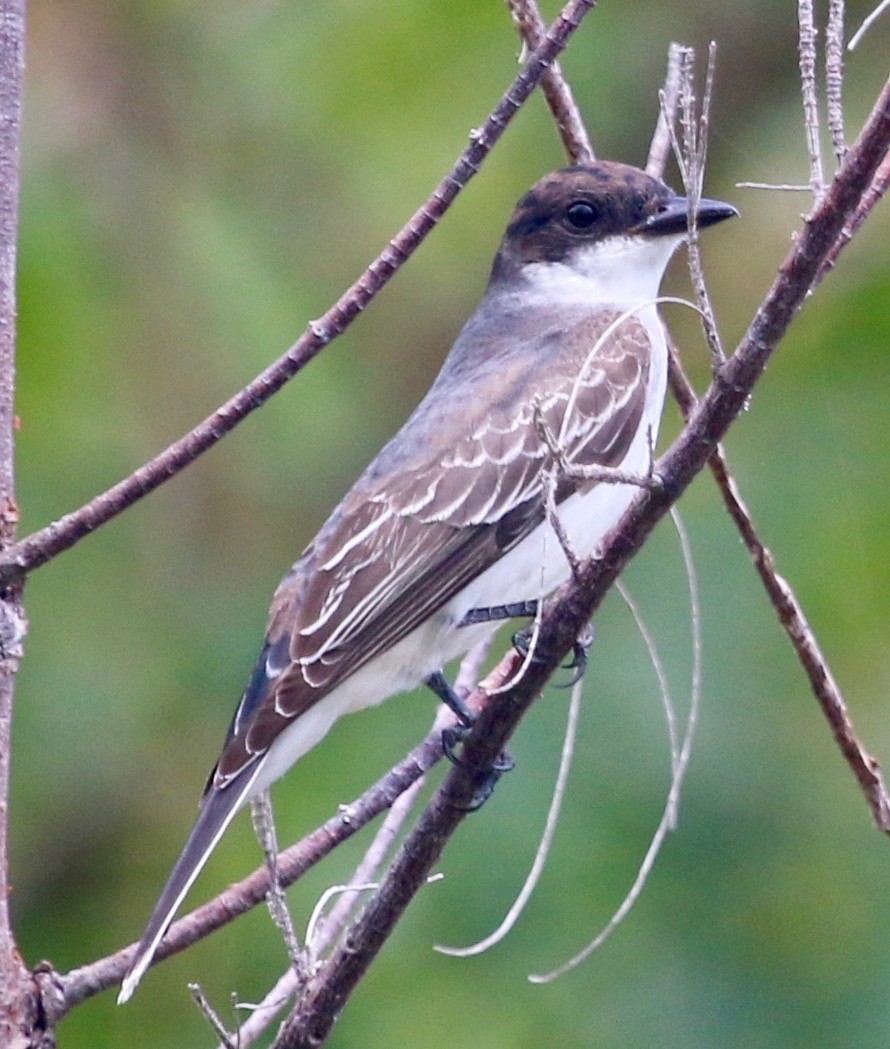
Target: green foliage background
<point>201,179</point>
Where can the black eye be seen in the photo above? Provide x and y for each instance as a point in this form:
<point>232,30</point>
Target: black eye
<point>581,215</point>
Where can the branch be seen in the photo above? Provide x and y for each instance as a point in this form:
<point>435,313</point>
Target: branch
<point>788,608</point>
<point>17,999</point>
<point>793,619</point>
<point>42,546</point>
<point>576,601</point>
<point>79,984</point>
<point>575,140</point>
<point>869,199</point>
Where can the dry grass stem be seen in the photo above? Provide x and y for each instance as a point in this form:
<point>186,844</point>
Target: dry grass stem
<point>669,99</point>
<point>856,38</point>
<point>834,78</point>
<point>658,667</point>
<point>678,771</point>
<point>784,187</point>
<point>806,46</point>
<point>544,845</point>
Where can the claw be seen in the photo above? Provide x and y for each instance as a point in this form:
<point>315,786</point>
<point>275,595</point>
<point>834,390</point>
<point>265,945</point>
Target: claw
<point>503,763</point>
<point>452,737</point>
<point>578,662</point>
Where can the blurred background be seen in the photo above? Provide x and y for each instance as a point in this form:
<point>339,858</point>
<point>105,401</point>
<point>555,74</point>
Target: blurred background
<point>200,179</point>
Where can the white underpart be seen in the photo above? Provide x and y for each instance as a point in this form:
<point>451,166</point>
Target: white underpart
<point>620,271</point>
<point>623,272</point>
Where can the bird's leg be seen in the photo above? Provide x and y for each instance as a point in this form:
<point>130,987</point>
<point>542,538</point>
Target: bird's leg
<point>456,734</point>
<point>494,613</point>
<point>276,900</point>
<point>441,686</point>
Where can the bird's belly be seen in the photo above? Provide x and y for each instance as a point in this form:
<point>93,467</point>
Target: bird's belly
<point>402,667</point>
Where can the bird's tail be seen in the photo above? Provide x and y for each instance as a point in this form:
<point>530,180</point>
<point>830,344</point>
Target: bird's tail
<point>218,807</point>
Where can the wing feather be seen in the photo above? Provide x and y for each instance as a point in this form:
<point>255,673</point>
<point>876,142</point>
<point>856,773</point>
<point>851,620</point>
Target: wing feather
<point>409,537</point>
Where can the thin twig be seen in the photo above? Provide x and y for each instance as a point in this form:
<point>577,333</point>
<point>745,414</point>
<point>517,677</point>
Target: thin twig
<point>264,1012</point>
<point>793,619</point>
<point>692,166</point>
<point>41,546</point>
<point>834,77</point>
<point>807,53</point>
<point>553,519</point>
<point>660,147</point>
<point>530,26</point>
<point>873,195</point>
<point>228,1040</point>
<point>263,819</point>
<point>784,187</point>
<point>867,24</point>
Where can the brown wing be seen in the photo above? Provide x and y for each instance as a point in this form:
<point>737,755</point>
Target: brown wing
<point>403,543</point>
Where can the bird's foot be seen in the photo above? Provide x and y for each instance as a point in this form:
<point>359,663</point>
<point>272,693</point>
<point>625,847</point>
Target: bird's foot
<point>522,642</point>
<point>577,664</point>
<point>487,778</point>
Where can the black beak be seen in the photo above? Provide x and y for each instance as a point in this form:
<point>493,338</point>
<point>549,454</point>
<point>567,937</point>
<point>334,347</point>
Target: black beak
<point>673,216</point>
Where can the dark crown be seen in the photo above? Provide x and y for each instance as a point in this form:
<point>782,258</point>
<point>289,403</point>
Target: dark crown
<point>578,205</point>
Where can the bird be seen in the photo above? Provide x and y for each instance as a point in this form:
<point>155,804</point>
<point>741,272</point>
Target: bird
<point>447,528</point>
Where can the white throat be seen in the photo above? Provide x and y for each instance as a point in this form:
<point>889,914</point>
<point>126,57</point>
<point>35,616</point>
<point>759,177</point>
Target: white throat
<point>625,271</point>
